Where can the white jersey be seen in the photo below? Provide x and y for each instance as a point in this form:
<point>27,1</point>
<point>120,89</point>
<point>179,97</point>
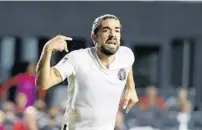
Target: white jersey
<point>94,91</point>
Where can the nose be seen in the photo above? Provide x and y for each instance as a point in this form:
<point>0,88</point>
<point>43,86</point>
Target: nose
<point>112,35</point>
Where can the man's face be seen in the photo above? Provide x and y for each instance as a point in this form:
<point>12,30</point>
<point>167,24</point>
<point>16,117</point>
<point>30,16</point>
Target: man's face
<point>108,36</point>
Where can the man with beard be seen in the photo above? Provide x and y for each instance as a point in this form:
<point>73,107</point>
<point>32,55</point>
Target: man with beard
<point>97,76</point>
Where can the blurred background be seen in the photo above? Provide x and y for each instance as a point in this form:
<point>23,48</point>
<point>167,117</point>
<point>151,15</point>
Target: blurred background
<point>166,38</point>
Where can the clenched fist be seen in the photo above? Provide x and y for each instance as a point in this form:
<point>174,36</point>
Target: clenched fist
<point>57,43</point>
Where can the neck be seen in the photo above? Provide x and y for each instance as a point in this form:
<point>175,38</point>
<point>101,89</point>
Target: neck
<point>105,59</point>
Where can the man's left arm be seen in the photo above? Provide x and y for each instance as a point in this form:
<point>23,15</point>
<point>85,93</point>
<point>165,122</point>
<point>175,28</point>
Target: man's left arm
<point>131,97</point>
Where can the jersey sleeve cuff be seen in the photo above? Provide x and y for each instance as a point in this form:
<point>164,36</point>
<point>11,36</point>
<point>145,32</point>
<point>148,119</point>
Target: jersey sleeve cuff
<point>62,74</point>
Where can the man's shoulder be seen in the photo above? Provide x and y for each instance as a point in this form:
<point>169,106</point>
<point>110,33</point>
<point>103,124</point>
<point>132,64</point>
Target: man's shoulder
<point>126,54</point>
<point>80,55</point>
<point>124,50</point>
<point>79,52</point>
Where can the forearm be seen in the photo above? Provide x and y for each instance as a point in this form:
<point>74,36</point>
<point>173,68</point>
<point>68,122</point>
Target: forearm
<point>130,84</point>
<point>43,70</point>
<point>131,97</point>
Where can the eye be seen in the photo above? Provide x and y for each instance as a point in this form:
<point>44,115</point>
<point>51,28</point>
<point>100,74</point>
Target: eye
<point>118,31</point>
<point>105,30</point>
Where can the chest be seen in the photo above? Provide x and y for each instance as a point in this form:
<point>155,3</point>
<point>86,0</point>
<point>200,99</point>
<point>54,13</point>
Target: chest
<point>92,72</point>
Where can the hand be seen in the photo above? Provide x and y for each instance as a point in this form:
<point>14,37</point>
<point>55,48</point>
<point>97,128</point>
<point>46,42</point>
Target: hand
<point>130,99</point>
<point>57,43</point>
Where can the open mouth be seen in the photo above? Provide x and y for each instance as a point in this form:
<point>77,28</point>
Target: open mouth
<point>113,43</point>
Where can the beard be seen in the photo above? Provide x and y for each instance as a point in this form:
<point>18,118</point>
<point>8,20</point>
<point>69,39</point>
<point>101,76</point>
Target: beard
<point>108,51</point>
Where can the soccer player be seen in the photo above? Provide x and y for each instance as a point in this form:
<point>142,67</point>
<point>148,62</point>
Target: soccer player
<point>97,76</point>
<point>26,90</point>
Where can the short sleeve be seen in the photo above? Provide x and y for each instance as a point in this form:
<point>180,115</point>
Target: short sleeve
<point>128,56</point>
<point>66,66</point>
<point>131,57</point>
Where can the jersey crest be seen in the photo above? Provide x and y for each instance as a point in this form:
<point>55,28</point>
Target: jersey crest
<point>122,74</point>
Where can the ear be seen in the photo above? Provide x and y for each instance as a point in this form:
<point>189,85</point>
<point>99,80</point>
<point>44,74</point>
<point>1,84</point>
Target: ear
<point>94,38</point>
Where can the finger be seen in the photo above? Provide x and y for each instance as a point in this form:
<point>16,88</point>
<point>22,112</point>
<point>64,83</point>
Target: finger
<point>130,105</point>
<point>66,50</point>
<point>60,50</point>
<point>125,104</point>
<point>64,46</point>
<point>64,37</point>
<point>60,46</point>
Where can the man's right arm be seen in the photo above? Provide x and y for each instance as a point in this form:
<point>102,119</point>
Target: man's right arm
<point>47,76</point>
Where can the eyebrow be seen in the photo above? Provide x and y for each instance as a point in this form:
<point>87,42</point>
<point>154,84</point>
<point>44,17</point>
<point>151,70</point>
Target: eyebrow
<point>109,28</point>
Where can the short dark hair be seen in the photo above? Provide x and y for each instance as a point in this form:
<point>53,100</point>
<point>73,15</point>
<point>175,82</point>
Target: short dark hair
<point>97,22</point>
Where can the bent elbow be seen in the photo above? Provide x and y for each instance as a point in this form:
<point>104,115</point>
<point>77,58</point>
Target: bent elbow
<point>41,85</point>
